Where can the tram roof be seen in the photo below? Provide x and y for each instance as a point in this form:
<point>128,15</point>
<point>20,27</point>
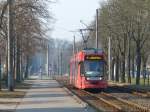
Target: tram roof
<point>92,51</point>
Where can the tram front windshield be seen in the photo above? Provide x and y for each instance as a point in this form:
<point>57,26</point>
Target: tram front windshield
<point>94,68</point>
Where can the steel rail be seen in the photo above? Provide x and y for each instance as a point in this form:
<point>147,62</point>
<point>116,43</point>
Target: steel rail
<point>116,107</point>
<point>131,104</point>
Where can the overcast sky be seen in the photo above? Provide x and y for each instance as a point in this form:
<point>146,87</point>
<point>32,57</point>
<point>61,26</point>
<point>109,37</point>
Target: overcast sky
<point>68,14</point>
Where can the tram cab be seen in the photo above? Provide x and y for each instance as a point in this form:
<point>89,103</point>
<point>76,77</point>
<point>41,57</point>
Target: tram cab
<point>88,69</point>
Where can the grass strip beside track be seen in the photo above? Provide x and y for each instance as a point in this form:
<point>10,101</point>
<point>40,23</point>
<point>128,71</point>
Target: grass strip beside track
<point>139,107</point>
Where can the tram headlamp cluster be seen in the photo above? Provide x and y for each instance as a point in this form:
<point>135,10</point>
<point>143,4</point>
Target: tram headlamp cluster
<point>94,78</point>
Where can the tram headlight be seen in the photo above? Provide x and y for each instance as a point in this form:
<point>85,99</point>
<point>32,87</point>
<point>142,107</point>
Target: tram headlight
<point>100,78</point>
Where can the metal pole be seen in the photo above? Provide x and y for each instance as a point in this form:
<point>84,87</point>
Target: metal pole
<point>58,61</point>
<point>109,59</point>
<point>61,62</point>
<point>96,28</point>
<point>40,61</point>
<point>74,47</point>
<point>10,46</point>
<point>48,59</point>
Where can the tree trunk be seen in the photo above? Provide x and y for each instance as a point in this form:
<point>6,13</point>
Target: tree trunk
<point>112,70</point>
<point>129,63</point>
<point>148,79</point>
<point>27,67</point>
<point>21,67</point>
<point>0,73</point>
<point>6,70</point>
<point>120,70</point>
<point>10,42</point>
<point>117,69</point>
<point>133,74</point>
<point>14,60</point>
<point>18,77</point>
<point>138,61</point>
<point>144,72</point>
<point>123,69</point>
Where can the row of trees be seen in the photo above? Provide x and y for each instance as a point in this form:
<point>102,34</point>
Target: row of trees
<point>127,24</point>
<point>62,55</point>
<point>28,18</point>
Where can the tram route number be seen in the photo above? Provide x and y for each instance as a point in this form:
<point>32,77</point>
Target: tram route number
<point>93,58</point>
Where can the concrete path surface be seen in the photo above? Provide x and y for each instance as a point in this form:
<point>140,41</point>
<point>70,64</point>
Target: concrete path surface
<point>49,96</point>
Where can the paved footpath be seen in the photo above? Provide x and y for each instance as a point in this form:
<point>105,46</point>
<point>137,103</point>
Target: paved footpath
<point>49,96</point>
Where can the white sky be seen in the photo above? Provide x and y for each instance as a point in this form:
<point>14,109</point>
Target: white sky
<point>68,14</point>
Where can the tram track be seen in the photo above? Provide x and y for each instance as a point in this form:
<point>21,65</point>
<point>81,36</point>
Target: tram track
<point>126,105</point>
<point>134,91</point>
<point>137,97</point>
<point>121,101</point>
<point>112,103</point>
<point>97,102</point>
<point>120,104</point>
<point>146,95</point>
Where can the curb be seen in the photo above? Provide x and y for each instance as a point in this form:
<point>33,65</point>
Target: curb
<point>80,101</point>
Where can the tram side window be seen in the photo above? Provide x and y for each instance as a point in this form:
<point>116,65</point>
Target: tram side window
<point>81,68</point>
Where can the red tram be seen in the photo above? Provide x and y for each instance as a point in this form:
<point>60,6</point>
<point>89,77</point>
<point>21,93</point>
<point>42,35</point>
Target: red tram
<point>88,69</point>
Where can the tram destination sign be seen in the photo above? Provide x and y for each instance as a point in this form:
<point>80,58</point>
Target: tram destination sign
<point>93,57</point>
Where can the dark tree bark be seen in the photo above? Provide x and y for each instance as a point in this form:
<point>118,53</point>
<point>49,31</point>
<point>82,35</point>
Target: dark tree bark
<point>129,62</point>
<point>14,59</point>
<point>112,70</point>
<point>148,79</point>
<point>133,71</point>
<point>21,67</point>
<point>123,69</point>
<point>27,67</point>
<point>138,62</point>
<point>0,73</point>
<point>120,70</point>
<point>123,54</point>
<point>6,70</point>
<point>144,71</point>
<point>18,73</point>
<point>117,69</point>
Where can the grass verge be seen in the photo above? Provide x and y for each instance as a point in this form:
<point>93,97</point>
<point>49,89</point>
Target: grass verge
<point>19,92</point>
